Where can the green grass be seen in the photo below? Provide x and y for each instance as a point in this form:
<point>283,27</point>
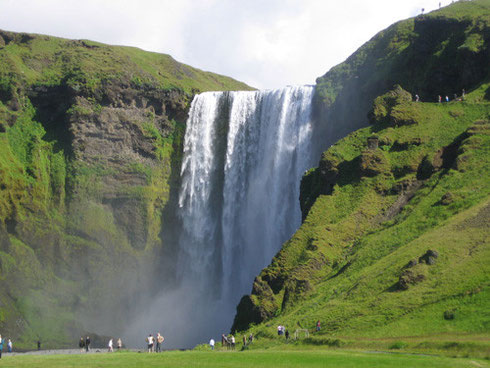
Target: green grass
<point>353,246</point>
<point>255,359</point>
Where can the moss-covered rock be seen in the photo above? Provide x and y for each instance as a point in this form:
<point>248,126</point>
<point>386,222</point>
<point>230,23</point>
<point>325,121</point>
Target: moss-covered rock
<point>91,138</point>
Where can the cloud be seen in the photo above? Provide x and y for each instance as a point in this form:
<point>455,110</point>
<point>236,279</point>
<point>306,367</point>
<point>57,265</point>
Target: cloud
<point>267,44</point>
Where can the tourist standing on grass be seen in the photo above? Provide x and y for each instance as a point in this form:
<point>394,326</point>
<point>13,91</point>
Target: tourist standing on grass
<point>1,346</point>
<point>9,346</point>
<point>150,341</point>
<point>87,344</point>
<point>251,338</point>
<point>39,344</point>
<point>287,334</point>
<point>244,340</point>
<point>81,344</point>
<point>211,344</point>
<point>110,346</point>
<point>119,344</point>
<point>318,326</point>
<point>160,340</point>
<point>232,339</point>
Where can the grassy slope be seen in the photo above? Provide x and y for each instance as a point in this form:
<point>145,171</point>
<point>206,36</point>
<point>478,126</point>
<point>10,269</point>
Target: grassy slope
<point>54,248</point>
<point>344,263</point>
<point>254,359</point>
<point>439,53</point>
<point>369,212</point>
<point>37,59</point>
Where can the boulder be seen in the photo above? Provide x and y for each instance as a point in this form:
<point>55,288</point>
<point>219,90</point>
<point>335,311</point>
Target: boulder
<point>373,163</point>
<point>429,257</point>
<point>409,277</point>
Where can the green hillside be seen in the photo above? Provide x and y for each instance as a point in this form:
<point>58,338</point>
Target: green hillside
<point>440,53</point>
<point>90,146</point>
<point>393,251</point>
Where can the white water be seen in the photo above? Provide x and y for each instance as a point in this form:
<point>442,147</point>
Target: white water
<point>244,156</point>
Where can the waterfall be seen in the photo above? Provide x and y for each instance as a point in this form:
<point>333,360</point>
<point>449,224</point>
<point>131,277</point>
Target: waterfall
<point>244,156</point>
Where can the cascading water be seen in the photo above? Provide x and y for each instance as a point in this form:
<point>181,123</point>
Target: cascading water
<point>244,156</point>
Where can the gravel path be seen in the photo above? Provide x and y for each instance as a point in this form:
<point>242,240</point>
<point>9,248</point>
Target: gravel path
<point>64,351</point>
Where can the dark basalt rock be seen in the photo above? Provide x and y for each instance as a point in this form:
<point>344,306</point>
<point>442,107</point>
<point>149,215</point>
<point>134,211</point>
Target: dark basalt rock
<point>429,257</point>
<point>409,277</point>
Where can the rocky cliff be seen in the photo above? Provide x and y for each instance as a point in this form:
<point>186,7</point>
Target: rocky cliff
<point>91,140</point>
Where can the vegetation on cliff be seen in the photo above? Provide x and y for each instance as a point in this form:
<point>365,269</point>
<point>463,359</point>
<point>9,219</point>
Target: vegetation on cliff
<point>90,149</point>
<point>394,244</point>
<point>440,53</point>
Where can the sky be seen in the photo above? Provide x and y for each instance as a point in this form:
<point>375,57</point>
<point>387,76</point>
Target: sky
<point>264,43</point>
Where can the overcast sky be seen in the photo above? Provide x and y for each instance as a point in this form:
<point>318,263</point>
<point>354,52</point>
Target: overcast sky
<point>265,43</point>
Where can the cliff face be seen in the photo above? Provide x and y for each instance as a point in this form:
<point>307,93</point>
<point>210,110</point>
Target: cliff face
<point>383,240</point>
<point>90,151</point>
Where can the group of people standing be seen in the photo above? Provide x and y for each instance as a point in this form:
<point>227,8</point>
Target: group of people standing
<point>155,343</point>
<point>446,98</point>
<point>8,343</point>
<point>230,343</point>
<point>84,344</point>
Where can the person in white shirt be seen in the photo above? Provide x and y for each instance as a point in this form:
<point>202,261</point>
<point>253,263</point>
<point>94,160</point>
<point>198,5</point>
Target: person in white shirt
<point>110,346</point>
<point>150,341</point>
<point>211,343</point>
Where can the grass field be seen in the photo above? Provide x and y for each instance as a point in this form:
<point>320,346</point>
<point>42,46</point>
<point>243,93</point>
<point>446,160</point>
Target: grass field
<point>255,359</point>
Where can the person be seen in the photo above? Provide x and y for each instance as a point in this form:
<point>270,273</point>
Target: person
<point>287,334</point>
<point>87,344</point>
<point>119,344</point>
<point>232,338</point>
<point>81,344</point>
<point>224,341</point>
<point>160,340</point>
<point>1,346</point>
<point>110,348</point>
<point>279,330</point>
<point>250,338</point>
<point>9,346</point>
<point>439,98</point>
<point>317,325</point>
<point>39,344</point>
<point>149,340</point>
<point>244,340</point>
<point>447,98</point>
<point>211,344</point>
<point>462,95</point>
<point>417,98</point>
